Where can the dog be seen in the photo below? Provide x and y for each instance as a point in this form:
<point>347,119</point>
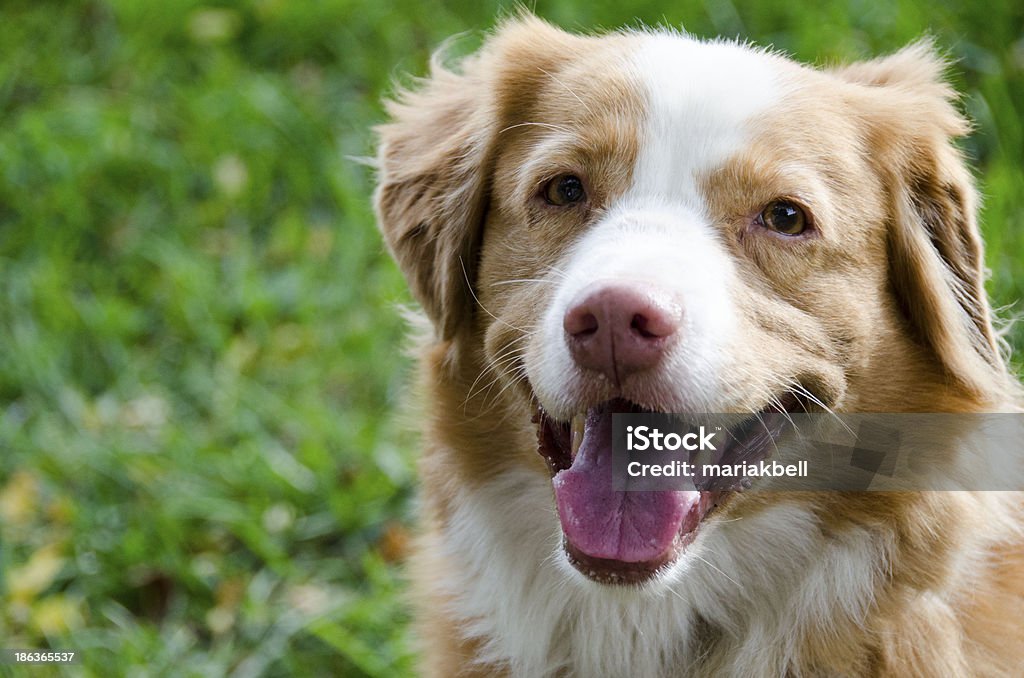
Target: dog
<point>646,221</point>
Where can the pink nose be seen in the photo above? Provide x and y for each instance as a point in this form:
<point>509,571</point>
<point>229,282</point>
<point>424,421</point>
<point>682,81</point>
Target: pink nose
<point>620,328</point>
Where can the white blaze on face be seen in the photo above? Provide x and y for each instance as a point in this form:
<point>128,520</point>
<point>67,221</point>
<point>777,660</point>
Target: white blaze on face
<point>700,98</point>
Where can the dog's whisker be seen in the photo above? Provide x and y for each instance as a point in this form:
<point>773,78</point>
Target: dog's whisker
<point>523,280</point>
<point>516,380</point>
<point>517,376</point>
<point>546,125</point>
<point>817,401</point>
<point>718,570</point>
<point>567,89</point>
<point>511,352</point>
<point>562,275</point>
<point>495,365</point>
<point>469,286</point>
<point>484,389</point>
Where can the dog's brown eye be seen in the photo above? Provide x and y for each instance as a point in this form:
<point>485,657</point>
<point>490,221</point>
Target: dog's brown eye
<point>564,190</point>
<point>784,217</point>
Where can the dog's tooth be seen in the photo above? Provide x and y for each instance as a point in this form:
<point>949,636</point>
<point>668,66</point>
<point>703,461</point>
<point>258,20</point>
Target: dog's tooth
<point>577,433</point>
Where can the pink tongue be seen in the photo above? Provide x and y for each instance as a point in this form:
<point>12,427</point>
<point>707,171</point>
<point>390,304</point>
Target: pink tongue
<point>631,527</point>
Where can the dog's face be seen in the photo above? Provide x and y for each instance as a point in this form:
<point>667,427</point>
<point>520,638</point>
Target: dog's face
<point>646,222</point>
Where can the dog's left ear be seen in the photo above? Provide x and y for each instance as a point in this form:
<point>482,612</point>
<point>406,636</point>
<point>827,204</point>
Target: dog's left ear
<point>936,258</point>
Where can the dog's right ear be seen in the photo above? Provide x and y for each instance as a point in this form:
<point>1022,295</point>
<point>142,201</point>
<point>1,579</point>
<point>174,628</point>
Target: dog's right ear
<point>435,162</point>
<point>432,187</point>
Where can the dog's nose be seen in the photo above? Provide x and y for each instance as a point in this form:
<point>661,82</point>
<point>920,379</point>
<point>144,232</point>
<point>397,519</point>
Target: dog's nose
<point>621,328</point>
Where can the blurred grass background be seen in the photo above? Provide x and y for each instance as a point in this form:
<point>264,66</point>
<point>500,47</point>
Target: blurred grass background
<point>201,471</point>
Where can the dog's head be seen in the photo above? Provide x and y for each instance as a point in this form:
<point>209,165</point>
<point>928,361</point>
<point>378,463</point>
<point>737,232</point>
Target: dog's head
<point>645,221</point>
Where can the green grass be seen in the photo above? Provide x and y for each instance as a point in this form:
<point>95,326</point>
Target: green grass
<point>201,470</point>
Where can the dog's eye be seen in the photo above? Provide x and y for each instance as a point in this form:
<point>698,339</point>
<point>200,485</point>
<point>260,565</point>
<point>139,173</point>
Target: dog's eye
<point>564,190</point>
<point>783,216</point>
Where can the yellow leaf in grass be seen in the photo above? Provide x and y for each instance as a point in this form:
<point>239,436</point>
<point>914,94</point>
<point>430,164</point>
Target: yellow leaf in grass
<point>29,580</point>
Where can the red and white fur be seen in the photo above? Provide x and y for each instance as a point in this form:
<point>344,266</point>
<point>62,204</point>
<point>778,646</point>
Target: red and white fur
<point>553,177</point>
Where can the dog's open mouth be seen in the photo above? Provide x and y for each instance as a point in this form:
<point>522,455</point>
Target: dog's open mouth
<point>618,537</point>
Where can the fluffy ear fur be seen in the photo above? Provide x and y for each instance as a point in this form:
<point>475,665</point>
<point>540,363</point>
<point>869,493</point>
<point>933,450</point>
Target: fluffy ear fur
<point>432,188</point>
<point>935,251</point>
<point>435,162</point>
